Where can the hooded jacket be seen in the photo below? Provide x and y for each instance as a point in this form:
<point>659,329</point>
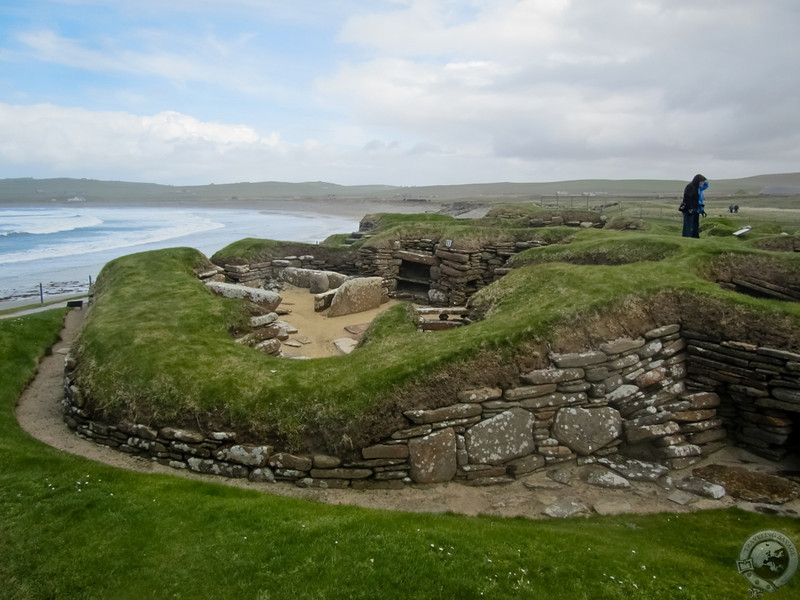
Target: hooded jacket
<point>691,196</point>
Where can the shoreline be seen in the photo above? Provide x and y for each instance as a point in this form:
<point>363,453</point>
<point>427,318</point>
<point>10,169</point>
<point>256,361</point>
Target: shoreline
<point>62,290</point>
<point>349,207</point>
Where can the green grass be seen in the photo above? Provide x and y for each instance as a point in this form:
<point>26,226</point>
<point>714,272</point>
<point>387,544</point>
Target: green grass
<point>74,529</point>
<point>156,347</point>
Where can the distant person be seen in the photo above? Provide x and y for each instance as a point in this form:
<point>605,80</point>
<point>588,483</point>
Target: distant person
<point>736,208</point>
<point>693,206</point>
<point>730,208</point>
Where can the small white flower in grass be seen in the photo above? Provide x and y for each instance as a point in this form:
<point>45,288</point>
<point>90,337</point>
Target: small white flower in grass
<point>372,560</point>
<point>644,567</point>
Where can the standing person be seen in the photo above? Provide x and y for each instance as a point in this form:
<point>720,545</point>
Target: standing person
<point>692,206</point>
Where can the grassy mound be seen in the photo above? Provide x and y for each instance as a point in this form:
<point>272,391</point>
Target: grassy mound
<point>156,347</point>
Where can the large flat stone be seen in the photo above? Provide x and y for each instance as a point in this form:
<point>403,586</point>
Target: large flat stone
<point>357,295</point>
<point>701,487</point>
<point>644,433</point>
<point>447,413</point>
<point>264,298</point>
<point>245,454</point>
<point>585,430</point>
<point>578,359</point>
<point>635,470</point>
<point>564,507</point>
<point>504,437</point>
<point>607,479</point>
<point>622,393</point>
<point>621,345</point>
<point>433,457</point>
<point>545,376</point>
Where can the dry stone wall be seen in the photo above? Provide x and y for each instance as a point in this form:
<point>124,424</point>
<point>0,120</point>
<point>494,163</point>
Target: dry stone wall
<point>435,272</point>
<point>761,386</point>
<point>638,405</point>
<point>258,274</point>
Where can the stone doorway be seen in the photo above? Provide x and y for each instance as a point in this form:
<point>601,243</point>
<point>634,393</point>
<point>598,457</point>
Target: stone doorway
<point>413,280</point>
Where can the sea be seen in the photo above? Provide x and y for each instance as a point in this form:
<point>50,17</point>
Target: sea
<point>48,253</point>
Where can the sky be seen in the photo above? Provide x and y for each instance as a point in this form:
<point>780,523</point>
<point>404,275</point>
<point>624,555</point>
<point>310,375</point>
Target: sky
<point>398,92</point>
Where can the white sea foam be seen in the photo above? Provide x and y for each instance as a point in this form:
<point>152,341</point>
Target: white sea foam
<point>43,222</point>
<point>72,243</point>
<point>105,230</point>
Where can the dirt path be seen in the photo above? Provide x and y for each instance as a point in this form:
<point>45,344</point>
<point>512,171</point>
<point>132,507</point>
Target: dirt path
<point>38,413</point>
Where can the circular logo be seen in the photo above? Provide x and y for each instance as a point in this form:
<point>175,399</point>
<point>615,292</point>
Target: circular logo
<point>768,560</point>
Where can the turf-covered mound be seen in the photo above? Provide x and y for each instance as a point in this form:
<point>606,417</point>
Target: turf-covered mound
<point>156,347</point>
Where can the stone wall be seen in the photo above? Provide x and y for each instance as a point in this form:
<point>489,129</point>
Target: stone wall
<point>442,274</point>
<point>654,397</point>
<point>259,274</point>
<point>762,390</point>
<point>419,269</point>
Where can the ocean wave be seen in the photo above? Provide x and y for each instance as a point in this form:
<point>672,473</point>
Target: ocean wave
<point>113,229</point>
<point>44,222</point>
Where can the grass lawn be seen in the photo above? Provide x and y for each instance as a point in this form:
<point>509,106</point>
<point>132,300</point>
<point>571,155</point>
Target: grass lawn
<point>73,529</point>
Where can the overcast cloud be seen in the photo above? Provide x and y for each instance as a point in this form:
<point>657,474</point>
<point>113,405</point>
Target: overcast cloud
<point>404,92</point>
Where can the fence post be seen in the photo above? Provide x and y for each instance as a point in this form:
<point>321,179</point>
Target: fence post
<point>41,294</point>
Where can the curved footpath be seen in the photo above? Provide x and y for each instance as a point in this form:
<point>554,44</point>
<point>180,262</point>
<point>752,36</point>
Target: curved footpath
<point>38,412</point>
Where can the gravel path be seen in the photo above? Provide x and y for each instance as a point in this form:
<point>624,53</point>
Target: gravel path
<point>38,413</point>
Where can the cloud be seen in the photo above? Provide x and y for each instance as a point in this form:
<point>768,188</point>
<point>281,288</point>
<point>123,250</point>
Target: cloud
<point>537,80</point>
<point>178,58</point>
<point>69,139</point>
<point>403,91</point>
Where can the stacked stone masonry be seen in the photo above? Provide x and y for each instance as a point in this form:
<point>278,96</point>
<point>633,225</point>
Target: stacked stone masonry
<point>668,396</point>
<point>762,390</point>
<point>420,269</point>
<point>435,272</point>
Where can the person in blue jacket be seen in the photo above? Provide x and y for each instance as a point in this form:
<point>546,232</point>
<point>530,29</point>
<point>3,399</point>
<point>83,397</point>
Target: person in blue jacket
<point>693,206</point>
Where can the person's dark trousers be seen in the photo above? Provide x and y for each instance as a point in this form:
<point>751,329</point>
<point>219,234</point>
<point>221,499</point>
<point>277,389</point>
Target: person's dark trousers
<point>691,225</point>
